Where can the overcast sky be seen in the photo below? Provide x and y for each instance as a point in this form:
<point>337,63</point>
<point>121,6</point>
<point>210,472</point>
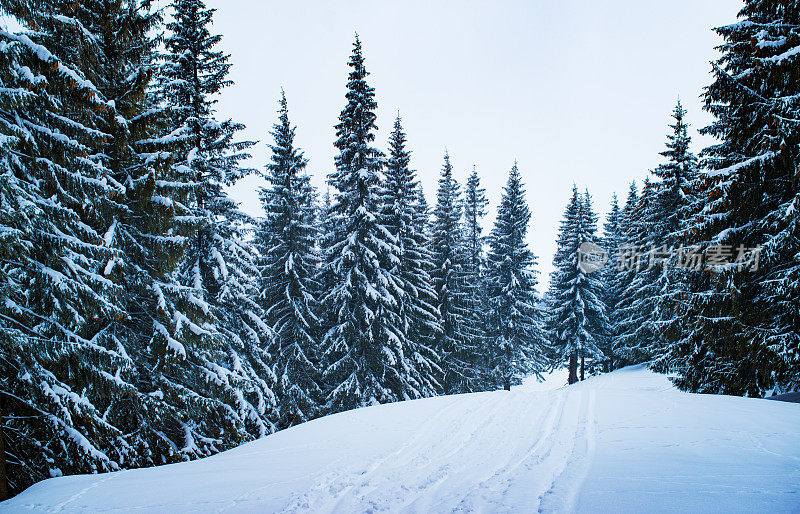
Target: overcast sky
<point>577,91</point>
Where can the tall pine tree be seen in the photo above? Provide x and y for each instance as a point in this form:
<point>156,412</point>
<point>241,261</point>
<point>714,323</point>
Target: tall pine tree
<point>363,350</point>
<point>416,306</point>
<point>225,375</point>
<point>57,362</point>
<point>289,266</point>
<point>453,343</point>
<point>474,273</point>
<point>743,337</point>
<point>516,337</point>
<point>577,323</point>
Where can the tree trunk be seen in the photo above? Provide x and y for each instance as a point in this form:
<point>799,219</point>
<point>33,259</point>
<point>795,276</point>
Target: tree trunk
<point>573,368</point>
<point>582,368</point>
<point>507,384</point>
<point>3,478</point>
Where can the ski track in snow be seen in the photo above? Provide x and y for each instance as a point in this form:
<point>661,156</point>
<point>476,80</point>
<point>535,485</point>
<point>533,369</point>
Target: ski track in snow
<point>622,442</point>
<point>450,465</point>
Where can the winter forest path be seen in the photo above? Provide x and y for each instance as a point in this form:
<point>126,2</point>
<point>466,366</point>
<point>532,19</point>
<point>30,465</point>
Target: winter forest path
<point>626,441</point>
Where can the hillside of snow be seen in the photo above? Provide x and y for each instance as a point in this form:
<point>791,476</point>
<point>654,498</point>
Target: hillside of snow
<point>625,441</point>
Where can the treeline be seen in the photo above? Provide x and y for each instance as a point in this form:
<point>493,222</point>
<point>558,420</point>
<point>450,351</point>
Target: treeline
<point>704,276</point>
<point>144,319</point>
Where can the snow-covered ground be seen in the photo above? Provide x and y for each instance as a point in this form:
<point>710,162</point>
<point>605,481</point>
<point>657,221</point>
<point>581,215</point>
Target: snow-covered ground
<point>622,442</point>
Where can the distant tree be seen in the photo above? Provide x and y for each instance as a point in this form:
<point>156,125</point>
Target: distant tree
<point>613,242</point>
<point>516,337</point>
<point>577,322</point>
<point>288,272</point>
<point>416,309</point>
<point>453,343</point>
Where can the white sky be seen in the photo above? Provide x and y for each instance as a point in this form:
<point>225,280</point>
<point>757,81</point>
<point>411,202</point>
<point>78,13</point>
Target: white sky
<point>578,91</point>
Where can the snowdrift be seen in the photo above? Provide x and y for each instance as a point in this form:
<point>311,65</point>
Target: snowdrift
<point>625,441</point>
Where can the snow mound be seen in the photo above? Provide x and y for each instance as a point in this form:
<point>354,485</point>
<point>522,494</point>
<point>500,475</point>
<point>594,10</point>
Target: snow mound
<point>620,442</point>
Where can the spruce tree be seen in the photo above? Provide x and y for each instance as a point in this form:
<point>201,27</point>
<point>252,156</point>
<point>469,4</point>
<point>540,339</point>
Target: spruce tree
<point>223,378</point>
<point>655,283</point>
<point>517,341</point>
<point>162,325</point>
<point>288,273</point>
<point>613,243</point>
<point>623,257</point>
<point>742,319</point>
<point>672,204</point>
<point>637,331</point>
<point>577,322</point>
<point>453,342</point>
<point>416,306</point>
<point>474,273</point>
<point>363,350</point>
<point>56,361</point>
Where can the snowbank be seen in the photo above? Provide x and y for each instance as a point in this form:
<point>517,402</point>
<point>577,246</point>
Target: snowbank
<point>626,441</point>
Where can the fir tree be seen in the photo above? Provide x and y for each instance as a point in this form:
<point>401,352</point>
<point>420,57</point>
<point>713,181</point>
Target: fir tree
<point>577,321</point>
<point>288,288</point>
<point>742,335</point>
<point>453,343</point>
<point>162,325</point>
<point>637,330</point>
<point>56,361</point>
<point>416,312</point>
<point>613,243</point>
<point>671,205</point>
<point>474,273</point>
<point>234,395</point>
<point>621,259</point>
<point>655,283</point>
<point>517,341</point>
<point>364,347</point>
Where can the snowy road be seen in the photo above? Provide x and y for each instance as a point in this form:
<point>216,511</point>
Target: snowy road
<point>622,442</point>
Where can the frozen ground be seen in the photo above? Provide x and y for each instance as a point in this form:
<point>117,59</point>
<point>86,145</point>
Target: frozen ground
<point>622,442</point>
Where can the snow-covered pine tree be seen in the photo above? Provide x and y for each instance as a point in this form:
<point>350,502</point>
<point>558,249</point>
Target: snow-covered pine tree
<point>474,273</point>
<point>516,339</point>
<point>326,277</point>
<point>657,283</point>
<point>744,338</point>
<point>637,333</point>
<point>577,321</point>
<point>116,52</point>
<point>56,363</point>
<point>422,224</point>
<point>422,216</point>
<point>671,205</point>
<point>288,272</point>
<point>226,377</point>
<point>620,259</point>
<point>454,346</point>
<point>363,350</point>
<point>416,306</point>
<point>613,241</point>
